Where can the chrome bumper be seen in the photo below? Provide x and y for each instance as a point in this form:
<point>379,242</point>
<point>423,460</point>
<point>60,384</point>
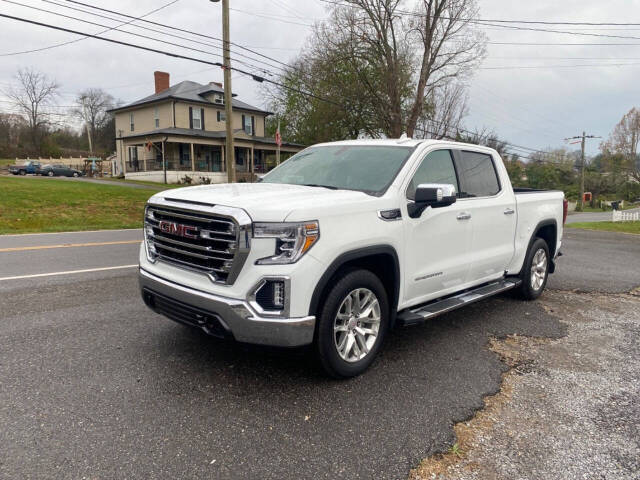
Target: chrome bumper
<point>236,317</point>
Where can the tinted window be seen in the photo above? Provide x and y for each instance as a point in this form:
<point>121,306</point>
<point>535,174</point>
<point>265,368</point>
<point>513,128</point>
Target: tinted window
<point>480,178</point>
<point>352,167</point>
<point>437,167</point>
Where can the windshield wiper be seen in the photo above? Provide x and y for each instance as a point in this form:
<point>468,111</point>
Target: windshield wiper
<point>330,187</point>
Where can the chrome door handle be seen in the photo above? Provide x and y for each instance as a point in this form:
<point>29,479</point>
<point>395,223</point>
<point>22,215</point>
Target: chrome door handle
<point>464,216</point>
<point>509,211</point>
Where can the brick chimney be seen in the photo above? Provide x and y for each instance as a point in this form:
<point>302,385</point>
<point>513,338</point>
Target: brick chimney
<point>219,84</point>
<point>162,81</point>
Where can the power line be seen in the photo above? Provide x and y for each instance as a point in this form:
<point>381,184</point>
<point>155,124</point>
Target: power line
<point>181,30</point>
<point>540,22</point>
<point>133,33</point>
<point>257,78</point>
<point>80,39</point>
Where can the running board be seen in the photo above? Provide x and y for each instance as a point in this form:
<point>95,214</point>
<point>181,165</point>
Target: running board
<point>420,313</point>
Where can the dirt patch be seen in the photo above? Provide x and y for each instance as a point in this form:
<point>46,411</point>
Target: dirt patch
<point>567,408</point>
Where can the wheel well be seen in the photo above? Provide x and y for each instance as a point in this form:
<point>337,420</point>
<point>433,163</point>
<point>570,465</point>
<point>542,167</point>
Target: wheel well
<point>549,234</point>
<point>384,265</point>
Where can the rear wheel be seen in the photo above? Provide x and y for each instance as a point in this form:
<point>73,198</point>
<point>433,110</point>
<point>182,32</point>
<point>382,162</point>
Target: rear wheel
<point>50,173</point>
<point>535,270</point>
<point>352,324</point>
<point>22,172</point>
<point>75,174</point>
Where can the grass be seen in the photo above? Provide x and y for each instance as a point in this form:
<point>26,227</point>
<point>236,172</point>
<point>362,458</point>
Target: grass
<point>160,186</point>
<point>28,205</point>
<point>625,227</point>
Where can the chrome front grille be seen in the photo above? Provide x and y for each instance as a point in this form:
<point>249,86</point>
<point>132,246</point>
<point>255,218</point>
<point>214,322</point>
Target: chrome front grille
<point>197,239</point>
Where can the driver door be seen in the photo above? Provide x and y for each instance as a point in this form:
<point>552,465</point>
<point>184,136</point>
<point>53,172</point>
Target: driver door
<point>438,242</point>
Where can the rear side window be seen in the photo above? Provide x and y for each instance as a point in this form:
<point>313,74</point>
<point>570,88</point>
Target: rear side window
<point>479,175</point>
<point>436,167</point>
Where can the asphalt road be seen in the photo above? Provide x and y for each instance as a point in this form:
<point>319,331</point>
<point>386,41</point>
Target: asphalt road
<point>594,216</point>
<point>94,385</point>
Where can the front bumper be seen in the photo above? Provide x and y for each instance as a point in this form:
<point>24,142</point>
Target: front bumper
<point>223,316</point>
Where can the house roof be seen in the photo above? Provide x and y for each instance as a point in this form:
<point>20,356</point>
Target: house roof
<point>239,135</point>
<point>189,91</point>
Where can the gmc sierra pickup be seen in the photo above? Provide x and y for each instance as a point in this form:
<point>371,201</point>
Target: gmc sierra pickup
<point>343,242</point>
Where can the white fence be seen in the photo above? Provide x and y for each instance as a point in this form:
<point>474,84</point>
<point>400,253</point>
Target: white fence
<point>621,216</point>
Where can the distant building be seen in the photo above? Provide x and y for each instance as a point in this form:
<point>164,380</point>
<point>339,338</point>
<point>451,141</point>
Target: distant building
<point>184,124</point>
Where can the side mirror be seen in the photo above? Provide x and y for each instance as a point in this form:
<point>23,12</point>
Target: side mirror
<point>434,195</point>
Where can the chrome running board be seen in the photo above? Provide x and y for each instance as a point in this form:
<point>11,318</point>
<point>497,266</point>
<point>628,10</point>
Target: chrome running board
<point>421,313</point>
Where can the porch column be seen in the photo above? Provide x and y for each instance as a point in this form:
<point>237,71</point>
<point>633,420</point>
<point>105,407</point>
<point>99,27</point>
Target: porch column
<point>193,158</point>
<point>223,164</point>
<point>252,163</point>
<point>164,164</point>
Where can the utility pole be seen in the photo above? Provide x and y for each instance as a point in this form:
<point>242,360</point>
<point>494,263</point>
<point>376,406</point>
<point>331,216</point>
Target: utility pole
<point>228,111</point>
<point>582,138</point>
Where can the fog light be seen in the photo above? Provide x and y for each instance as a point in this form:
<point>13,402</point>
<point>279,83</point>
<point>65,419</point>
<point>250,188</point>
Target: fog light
<point>278,294</point>
<point>271,295</point>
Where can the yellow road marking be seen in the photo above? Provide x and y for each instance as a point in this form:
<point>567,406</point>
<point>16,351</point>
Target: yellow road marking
<point>68,245</point>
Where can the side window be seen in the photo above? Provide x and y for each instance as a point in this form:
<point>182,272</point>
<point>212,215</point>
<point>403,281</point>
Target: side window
<point>436,167</point>
<point>479,175</point>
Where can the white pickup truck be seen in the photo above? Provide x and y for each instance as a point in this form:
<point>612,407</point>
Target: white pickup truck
<point>343,242</point>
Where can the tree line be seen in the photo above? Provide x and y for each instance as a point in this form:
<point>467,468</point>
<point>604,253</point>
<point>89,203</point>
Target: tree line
<point>34,126</point>
<point>373,69</point>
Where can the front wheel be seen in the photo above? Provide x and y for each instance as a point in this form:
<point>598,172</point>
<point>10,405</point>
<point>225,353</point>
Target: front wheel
<point>535,271</point>
<point>50,173</point>
<point>352,324</point>
<point>75,174</point>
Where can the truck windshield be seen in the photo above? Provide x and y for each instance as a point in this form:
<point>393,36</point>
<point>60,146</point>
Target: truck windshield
<point>366,168</point>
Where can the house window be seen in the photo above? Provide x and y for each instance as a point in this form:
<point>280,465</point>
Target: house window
<point>156,117</point>
<point>248,124</point>
<point>131,123</point>
<point>197,119</point>
<point>219,99</point>
<point>222,117</point>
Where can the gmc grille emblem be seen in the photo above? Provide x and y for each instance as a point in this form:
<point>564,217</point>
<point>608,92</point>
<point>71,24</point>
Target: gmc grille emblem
<point>178,229</point>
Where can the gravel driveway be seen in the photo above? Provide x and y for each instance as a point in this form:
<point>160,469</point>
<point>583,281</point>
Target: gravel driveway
<point>568,409</point>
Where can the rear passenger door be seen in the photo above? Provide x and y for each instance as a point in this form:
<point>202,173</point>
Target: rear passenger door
<point>493,214</point>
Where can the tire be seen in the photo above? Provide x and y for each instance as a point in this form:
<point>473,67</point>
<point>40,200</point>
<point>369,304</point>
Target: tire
<point>22,172</point>
<point>338,327</point>
<point>535,271</point>
<point>75,174</point>
<point>50,173</point>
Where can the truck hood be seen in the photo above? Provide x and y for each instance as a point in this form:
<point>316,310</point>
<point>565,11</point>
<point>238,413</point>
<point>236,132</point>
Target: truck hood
<point>267,202</point>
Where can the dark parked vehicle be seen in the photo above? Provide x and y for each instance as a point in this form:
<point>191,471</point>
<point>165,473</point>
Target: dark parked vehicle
<point>29,167</point>
<point>59,171</point>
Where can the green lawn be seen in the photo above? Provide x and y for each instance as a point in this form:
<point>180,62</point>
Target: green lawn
<point>41,205</point>
<point>625,227</point>
<point>160,186</point>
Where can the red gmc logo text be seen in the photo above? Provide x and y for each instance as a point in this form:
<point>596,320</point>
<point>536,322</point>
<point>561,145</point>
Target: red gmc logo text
<point>178,229</point>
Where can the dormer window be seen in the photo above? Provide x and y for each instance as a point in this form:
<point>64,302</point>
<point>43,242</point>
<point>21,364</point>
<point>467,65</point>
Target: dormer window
<point>218,98</point>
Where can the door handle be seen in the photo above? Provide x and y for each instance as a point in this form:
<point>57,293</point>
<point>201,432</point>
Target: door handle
<point>509,211</point>
<point>464,216</point>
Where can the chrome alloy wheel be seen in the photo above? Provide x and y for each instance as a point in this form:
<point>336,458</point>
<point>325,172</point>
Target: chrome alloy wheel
<point>538,269</point>
<point>355,328</point>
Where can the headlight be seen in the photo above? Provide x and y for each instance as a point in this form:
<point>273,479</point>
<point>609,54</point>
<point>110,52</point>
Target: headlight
<point>293,240</point>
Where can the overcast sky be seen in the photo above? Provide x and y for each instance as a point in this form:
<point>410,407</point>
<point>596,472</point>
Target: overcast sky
<point>534,107</point>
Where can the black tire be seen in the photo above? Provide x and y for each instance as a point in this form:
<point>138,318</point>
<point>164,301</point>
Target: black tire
<point>50,173</point>
<point>22,172</point>
<point>326,341</point>
<point>75,174</point>
<point>530,289</point>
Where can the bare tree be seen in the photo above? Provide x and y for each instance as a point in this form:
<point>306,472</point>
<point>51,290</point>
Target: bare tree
<point>624,139</point>
<point>91,107</point>
<point>444,111</point>
<point>34,93</point>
